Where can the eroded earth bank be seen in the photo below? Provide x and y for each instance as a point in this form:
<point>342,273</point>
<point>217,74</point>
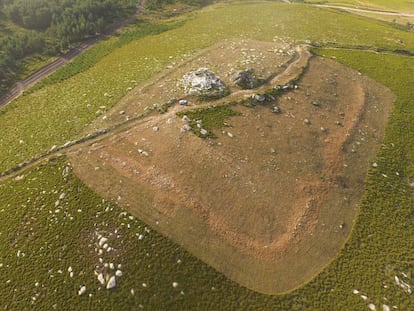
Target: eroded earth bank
<point>268,197</point>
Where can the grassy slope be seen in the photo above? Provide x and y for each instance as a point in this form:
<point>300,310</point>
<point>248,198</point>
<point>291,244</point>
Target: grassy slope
<point>75,102</point>
<point>379,248</point>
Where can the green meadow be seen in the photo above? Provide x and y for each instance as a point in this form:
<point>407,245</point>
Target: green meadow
<point>51,223</point>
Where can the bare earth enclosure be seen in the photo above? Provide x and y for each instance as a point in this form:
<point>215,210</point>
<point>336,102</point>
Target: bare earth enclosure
<point>271,200</point>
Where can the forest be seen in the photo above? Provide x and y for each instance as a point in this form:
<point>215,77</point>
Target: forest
<point>50,27</point>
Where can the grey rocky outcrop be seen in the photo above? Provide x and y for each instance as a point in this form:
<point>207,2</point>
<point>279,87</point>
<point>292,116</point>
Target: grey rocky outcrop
<point>203,83</point>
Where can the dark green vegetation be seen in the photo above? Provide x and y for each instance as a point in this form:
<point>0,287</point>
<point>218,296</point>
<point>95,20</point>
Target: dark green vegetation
<point>159,4</point>
<point>380,247</point>
<point>50,27</point>
<point>66,20</point>
<point>209,119</point>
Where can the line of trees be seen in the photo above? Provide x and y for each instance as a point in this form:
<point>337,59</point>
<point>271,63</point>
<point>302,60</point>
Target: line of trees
<point>155,4</point>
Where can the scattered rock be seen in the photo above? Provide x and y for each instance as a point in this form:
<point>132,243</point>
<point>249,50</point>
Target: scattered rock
<point>372,307</point>
<point>155,128</point>
<point>111,283</point>
<point>306,121</point>
<point>203,132</point>
<point>143,153</point>
<point>204,83</point>
<point>82,290</point>
<point>101,278</point>
<point>385,308</point>
<point>276,109</point>
<point>186,128</point>
<point>259,98</point>
<point>405,286</point>
<point>230,135</point>
<point>186,119</point>
<point>183,102</point>
<point>175,284</point>
<point>375,164</point>
<point>397,280</point>
<point>355,291</point>
<point>102,241</point>
<point>118,273</point>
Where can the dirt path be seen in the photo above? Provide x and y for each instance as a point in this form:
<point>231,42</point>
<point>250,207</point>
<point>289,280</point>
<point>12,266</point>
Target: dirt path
<point>50,68</point>
<point>350,9</point>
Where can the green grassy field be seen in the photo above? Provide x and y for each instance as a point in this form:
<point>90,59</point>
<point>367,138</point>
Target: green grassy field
<point>41,239</point>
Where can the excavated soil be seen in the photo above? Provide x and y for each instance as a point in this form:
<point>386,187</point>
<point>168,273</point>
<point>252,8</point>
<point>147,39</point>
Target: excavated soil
<point>272,202</point>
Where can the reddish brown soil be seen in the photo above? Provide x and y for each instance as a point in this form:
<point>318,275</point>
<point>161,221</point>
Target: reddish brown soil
<point>263,193</point>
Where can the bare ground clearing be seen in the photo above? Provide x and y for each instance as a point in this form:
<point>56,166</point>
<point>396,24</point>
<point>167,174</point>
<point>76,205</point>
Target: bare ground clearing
<point>268,59</point>
<point>269,204</point>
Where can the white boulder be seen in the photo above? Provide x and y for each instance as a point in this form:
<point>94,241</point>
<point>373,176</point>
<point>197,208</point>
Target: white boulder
<point>111,282</point>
